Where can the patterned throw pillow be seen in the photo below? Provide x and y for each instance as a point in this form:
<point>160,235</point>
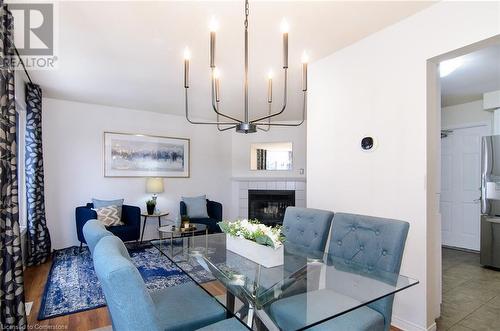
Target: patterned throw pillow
<point>109,216</point>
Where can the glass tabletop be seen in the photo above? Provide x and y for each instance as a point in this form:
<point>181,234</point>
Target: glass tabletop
<point>177,231</point>
<point>302,283</point>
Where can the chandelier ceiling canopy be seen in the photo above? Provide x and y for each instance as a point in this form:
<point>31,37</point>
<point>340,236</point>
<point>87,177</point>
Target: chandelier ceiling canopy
<point>245,124</point>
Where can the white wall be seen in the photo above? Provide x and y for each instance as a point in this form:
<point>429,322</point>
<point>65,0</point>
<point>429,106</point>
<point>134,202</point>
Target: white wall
<point>465,113</point>
<point>378,86</point>
<point>73,156</point>
<point>241,151</point>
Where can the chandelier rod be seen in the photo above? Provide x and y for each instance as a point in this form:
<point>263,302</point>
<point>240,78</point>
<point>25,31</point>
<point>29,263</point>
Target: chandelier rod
<point>247,12</point>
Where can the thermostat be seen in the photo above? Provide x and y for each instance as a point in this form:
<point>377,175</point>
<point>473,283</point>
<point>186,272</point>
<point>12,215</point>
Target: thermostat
<point>368,143</point>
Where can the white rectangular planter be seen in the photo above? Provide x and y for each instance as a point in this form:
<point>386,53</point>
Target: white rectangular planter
<point>263,255</point>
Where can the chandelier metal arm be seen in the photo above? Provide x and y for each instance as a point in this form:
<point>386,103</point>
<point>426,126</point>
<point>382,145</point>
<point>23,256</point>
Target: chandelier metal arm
<point>285,99</point>
<point>215,103</point>
<point>200,122</point>
<point>268,120</point>
<point>304,109</point>
<point>224,129</point>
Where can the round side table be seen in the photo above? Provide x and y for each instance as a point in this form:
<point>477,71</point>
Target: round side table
<point>146,216</point>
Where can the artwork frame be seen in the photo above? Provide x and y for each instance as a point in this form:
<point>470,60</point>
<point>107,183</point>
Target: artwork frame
<point>142,155</point>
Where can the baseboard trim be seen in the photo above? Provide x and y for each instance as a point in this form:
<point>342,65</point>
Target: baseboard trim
<point>410,326</point>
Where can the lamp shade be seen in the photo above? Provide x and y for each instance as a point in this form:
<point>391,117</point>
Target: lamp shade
<point>154,185</point>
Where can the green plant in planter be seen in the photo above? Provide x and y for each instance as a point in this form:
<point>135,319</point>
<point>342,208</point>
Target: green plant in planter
<point>151,205</point>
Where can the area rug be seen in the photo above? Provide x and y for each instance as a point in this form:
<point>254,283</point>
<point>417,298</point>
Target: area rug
<point>72,285</point>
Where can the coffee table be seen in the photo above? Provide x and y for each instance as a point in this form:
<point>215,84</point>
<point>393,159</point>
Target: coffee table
<point>172,231</point>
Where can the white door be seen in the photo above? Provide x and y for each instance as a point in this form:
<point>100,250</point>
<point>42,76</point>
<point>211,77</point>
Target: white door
<point>460,186</point>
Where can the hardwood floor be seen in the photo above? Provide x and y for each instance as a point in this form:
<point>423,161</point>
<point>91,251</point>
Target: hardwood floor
<point>34,282</point>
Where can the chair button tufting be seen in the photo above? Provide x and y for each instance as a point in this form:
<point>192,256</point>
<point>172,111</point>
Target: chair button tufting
<point>377,232</point>
<point>370,267</point>
<point>384,252</point>
<point>361,247</point>
<point>339,242</point>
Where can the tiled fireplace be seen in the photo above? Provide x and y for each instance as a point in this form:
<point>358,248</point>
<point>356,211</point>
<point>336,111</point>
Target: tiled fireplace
<point>268,206</point>
<point>281,192</point>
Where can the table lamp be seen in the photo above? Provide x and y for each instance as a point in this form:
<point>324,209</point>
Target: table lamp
<point>155,186</point>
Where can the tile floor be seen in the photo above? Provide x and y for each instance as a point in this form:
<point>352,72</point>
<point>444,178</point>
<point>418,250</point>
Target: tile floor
<point>471,294</point>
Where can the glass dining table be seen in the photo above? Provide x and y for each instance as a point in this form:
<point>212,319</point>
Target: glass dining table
<point>304,275</point>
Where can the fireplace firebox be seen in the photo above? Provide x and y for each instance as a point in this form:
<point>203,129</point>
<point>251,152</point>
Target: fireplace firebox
<point>268,206</point>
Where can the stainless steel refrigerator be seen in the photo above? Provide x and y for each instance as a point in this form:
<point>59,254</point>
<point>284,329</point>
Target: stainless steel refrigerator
<point>490,201</point>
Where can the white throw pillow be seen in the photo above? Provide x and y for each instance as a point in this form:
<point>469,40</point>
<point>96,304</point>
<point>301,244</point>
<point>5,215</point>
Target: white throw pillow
<point>109,215</point>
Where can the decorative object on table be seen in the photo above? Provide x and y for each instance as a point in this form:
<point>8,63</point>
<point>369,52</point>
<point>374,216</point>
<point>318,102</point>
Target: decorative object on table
<point>184,221</point>
<point>147,215</point>
<point>137,155</point>
<point>151,206</point>
<point>130,217</point>
<point>65,295</point>
<point>109,216</point>
<point>255,241</point>
<point>214,211</point>
<point>155,186</point>
<point>246,125</point>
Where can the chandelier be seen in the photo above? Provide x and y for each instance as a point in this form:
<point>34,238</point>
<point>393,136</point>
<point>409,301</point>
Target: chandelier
<point>246,125</point>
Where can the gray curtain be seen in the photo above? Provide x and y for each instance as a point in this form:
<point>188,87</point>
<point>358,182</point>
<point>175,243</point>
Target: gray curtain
<point>13,316</point>
<point>38,234</point>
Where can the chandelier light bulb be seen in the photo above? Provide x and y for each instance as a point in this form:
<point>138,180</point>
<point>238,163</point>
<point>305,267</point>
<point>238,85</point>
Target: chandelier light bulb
<point>305,57</point>
<point>270,74</point>
<point>284,26</point>
<point>187,54</point>
<point>214,25</point>
<point>216,73</point>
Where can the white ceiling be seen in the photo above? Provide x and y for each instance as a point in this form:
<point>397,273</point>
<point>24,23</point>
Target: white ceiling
<point>129,54</point>
<point>479,73</point>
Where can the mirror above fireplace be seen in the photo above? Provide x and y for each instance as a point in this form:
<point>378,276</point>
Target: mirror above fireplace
<point>271,156</point>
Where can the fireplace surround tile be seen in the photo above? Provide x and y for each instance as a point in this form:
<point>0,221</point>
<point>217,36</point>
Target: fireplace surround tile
<point>242,185</point>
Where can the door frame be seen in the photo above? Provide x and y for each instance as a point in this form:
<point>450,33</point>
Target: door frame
<point>433,177</point>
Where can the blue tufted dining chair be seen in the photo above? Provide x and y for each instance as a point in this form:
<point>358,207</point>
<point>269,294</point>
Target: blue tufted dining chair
<point>93,231</point>
<point>307,227</point>
<point>184,307</point>
<point>373,244</point>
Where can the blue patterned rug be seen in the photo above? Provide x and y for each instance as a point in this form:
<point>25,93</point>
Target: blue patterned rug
<point>72,285</point>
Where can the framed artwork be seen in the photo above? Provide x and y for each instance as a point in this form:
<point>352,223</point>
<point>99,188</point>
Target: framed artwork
<point>138,155</point>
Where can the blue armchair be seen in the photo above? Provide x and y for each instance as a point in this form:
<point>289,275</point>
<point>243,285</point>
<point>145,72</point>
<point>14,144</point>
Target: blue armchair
<point>131,217</point>
<point>214,211</point>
